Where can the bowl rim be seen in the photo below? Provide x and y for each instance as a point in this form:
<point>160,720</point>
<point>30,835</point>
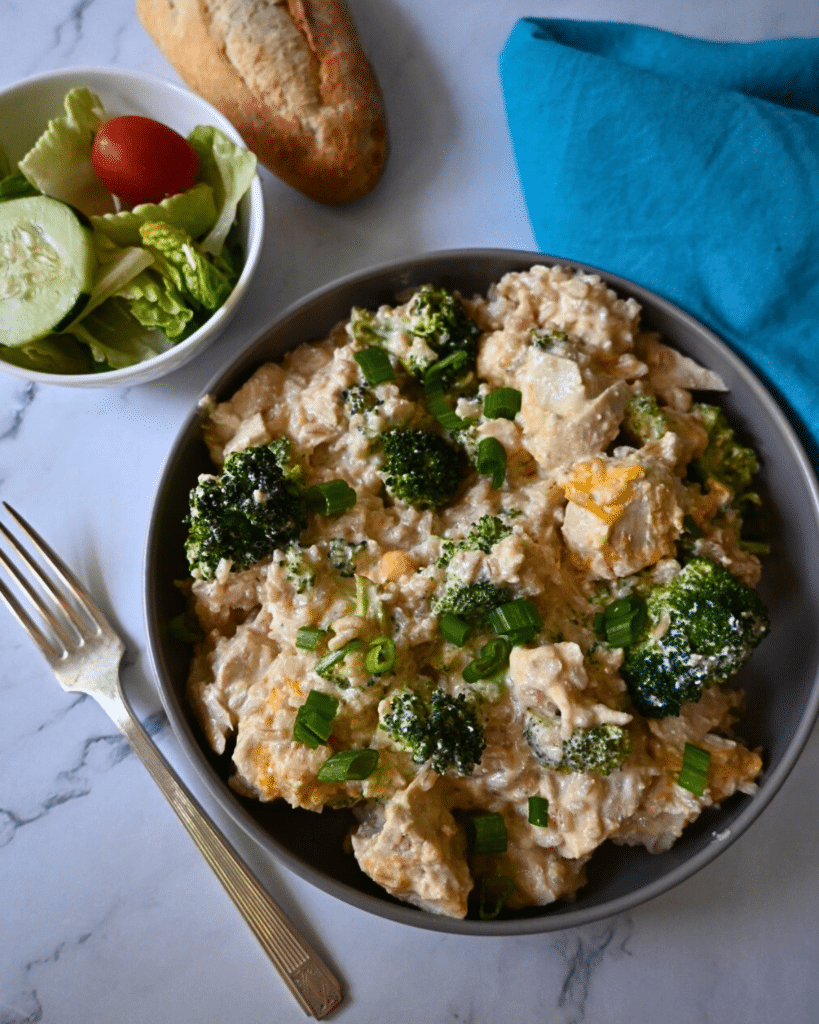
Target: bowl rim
<point>175,355</point>
<point>557,919</point>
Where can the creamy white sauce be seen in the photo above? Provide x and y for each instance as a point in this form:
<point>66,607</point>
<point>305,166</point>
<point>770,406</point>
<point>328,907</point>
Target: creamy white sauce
<point>583,515</point>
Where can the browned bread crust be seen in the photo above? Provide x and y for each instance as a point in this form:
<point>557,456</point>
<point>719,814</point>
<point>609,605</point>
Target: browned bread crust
<point>291,75</point>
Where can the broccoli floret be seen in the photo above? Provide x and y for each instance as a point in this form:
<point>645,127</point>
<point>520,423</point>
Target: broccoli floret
<point>643,420</point>
<point>601,748</point>
<point>700,628</point>
<point>422,468</point>
<point>472,601</point>
<point>434,315</point>
<point>298,569</point>
<point>244,514</point>
<point>359,399</point>
<point>440,318</point>
<point>364,326</point>
<point>482,536</point>
<point>551,340</point>
<point>342,555</point>
<point>725,459</point>
<point>443,730</point>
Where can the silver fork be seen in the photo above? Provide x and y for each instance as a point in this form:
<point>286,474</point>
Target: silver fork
<point>85,653</point>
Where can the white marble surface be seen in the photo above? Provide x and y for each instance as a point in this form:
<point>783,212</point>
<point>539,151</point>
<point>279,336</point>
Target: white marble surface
<point>107,913</point>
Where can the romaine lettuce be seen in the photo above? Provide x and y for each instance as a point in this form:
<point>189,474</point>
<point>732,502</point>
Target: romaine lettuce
<point>155,302</point>
<point>194,211</point>
<point>177,256</point>
<point>116,338</point>
<point>229,169</point>
<point>56,353</point>
<point>59,164</point>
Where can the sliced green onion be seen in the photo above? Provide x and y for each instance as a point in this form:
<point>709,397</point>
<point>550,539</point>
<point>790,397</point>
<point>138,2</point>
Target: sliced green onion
<point>348,766</point>
<point>314,719</point>
<point>694,772</point>
<point>453,628</point>
<point>362,595</point>
<point>330,498</point>
<point>623,620</point>
<point>491,659</point>
<point>517,620</point>
<point>538,811</point>
<point>334,657</point>
<point>524,635</point>
<point>495,890</point>
<point>492,460</point>
<point>502,403</point>
<point>487,834</point>
<point>436,379</point>
<point>441,409</point>
<point>307,637</point>
<point>446,370</point>
<point>375,365</point>
<point>380,656</point>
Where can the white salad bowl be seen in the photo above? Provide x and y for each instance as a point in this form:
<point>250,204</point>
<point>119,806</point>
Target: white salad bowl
<point>25,110</point>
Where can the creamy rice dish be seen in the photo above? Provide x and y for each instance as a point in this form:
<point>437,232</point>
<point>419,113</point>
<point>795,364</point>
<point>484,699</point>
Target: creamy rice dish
<point>485,651</point>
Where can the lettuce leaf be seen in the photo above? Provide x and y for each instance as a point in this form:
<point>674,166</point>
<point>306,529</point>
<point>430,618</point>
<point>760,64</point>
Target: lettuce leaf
<point>55,353</point>
<point>16,186</point>
<point>155,302</point>
<point>59,163</point>
<point>116,268</point>
<point>194,211</point>
<point>229,169</point>
<point>177,257</point>
<point>5,163</point>
<point>116,338</point>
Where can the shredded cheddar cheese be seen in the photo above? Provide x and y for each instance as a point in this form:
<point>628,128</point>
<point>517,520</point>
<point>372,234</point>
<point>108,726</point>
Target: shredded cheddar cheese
<point>617,483</point>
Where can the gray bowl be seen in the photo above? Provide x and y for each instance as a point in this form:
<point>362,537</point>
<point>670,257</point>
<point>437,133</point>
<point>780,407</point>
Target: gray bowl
<point>781,679</point>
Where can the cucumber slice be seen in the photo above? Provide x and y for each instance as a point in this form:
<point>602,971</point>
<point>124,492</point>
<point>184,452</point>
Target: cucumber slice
<point>47,266</point>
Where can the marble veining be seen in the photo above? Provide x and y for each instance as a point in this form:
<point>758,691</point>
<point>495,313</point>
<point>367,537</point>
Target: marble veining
<point>107,913</point>
<point>15,415</point>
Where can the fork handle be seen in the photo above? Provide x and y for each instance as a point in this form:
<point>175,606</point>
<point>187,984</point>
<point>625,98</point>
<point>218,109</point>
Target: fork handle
<point>313,985</point>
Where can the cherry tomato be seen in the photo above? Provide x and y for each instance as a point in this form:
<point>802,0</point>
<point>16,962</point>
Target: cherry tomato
<point>142,161</point>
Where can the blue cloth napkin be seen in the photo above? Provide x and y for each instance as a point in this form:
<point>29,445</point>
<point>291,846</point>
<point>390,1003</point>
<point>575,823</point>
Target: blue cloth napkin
<point>687,166</point>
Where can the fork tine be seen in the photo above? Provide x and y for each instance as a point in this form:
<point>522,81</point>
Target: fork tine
<point>32,595</point>
<point>28,625</point>
<point>55,563</point>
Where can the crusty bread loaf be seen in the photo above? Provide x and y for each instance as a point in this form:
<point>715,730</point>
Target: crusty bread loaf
<point>291,75</point>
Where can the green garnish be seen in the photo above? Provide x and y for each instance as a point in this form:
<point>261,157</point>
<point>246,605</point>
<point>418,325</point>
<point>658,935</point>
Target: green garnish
<point>380,656</point>
<point>502,403</point>
<point>694,772</point>
<point>487,834</point>
<point>375,365</point>
<point>517,620</point>
<point>307,637</point>
<point>538,811</point>
<point>623,620</point>
<point>492,658</point>
<point>314,719</point>
<point>492,460</point>
<point>330,498</point>
<point>497,889</point>
<point>323,665</point>
<point>453,628</point>
<point>348,766</point>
